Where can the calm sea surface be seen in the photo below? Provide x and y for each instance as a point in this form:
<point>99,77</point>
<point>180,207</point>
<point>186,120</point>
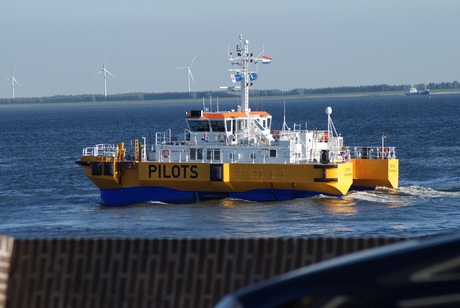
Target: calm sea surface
<point>43,193</point>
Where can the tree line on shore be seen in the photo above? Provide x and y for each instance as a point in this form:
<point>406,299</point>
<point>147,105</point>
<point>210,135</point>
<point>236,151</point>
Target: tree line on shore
<point>383,88</point>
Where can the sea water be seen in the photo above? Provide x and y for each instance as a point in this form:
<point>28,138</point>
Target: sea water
<point>43,193</point>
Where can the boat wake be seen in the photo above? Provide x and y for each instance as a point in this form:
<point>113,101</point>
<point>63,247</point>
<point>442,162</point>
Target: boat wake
<point>427,192</point>
<point>380,196</point>
<point>156,203</point>
<point>402,195</point>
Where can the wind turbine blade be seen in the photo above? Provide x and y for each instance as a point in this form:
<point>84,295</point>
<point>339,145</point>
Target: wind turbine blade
<point>105,61</point>
<point>15,81</point>
<point>97,73</point>
<point>191,75</point>
<point>181,67</point>
<point>193,60</point>
<point>111,74</point>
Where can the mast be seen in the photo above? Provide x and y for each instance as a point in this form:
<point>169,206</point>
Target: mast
<point>330,125</point>
<point>243,74</point>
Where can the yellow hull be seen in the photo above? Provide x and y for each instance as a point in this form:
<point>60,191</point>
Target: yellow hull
<point>258,182</point>
<point>243,177</point>
<point>370,173</point>
<point>130,182</point>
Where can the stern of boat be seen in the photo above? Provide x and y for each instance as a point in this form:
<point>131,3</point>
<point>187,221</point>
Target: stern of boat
<point>371,173</point>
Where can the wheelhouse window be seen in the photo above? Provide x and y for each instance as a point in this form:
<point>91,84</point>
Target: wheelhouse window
<point>217,125</point>
<point>263,123</point>
<point>198,125</point>
<point>229,125</point>
<point>241,124</point>
<point>257,123</point>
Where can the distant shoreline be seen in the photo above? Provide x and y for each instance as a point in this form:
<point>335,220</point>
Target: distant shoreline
<point>223,99</point>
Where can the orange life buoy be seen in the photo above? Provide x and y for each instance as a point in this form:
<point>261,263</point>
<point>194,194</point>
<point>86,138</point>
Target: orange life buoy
<point>222,137</point>
<point>166,153</point>
<point>383,152</point>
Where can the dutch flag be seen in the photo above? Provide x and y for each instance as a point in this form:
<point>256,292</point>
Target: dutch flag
<point>266,60</point>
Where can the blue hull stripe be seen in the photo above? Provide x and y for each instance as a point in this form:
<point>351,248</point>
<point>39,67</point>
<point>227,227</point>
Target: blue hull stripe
<point>132,195</point>
<point>361,188</point>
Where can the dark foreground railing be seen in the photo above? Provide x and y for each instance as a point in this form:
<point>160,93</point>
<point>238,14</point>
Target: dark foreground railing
<point>152,272</point>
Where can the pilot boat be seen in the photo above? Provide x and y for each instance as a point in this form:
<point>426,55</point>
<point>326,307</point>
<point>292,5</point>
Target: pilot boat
<point>236,154</point>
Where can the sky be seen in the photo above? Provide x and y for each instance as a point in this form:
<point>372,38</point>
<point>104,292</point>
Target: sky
<point>55,47</point>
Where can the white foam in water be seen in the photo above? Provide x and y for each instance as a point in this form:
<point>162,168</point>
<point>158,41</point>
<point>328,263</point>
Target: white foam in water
<point>377,196</point>
<point>157,202</point>
<point>427,192</point>
<point>401,195</point>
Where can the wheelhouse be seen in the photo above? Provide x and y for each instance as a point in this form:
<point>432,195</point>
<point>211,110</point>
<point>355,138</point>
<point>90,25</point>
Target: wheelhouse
<point>231,122</point>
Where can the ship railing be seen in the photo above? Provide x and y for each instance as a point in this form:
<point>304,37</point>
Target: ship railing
<point>100,150</point>
<point>193,136</point>
<point>219,138</point>
<point>372,152</point>
<point>163,137</point>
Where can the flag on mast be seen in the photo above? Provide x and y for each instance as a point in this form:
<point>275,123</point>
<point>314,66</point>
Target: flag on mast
<point>266,60</point>
<point>236,78</point>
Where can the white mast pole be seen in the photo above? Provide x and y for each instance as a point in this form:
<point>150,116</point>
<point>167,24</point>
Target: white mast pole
<point>245,58</point>
<point>329,121</point>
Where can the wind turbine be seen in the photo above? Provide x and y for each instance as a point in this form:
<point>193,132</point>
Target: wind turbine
<point>13,81</point>
<point>104,71</point>
<point>189,72</point>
